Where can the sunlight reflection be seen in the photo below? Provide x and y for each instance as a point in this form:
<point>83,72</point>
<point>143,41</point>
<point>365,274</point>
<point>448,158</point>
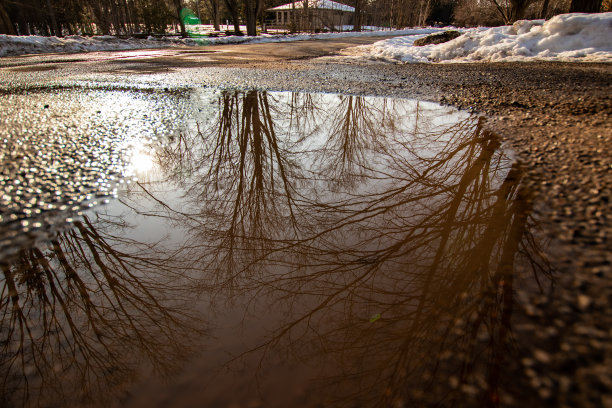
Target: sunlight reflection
<point>141,162</point>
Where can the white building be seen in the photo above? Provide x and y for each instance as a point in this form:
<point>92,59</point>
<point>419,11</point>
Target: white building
<point>311,15</point>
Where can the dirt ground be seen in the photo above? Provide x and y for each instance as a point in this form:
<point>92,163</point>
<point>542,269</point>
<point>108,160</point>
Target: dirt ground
<point>556,117</point>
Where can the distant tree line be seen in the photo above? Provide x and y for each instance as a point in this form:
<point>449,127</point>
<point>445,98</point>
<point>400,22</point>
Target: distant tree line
<point>66,17</point>
<point>411,13</point>
<point>131,17</point>
<point>498,12</point>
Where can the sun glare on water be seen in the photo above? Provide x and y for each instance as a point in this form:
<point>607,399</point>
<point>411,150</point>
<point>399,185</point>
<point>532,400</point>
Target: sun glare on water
<point>141,162</point>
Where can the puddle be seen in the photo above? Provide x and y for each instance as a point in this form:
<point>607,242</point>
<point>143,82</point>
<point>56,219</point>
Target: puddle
<point>271,249</point>
<point>66,151</point>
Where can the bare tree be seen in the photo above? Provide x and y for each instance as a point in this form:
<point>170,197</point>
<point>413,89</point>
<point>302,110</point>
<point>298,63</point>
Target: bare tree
<point>511,10</point>
<point>53,17</point>
<point>51,12</point>
<point>178,5</point>
<point>252,10</point>
<point>234,9</point>
<point>6,25</point>
<point>215,12</point>
<point>585,6</point>
<point>412,12</point>
<point>91,310</point>
<point>357,22</point>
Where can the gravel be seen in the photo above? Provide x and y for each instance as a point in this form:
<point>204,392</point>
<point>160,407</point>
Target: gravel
<point>556,117</point>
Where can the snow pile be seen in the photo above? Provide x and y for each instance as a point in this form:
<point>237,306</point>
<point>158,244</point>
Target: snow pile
<point>33,44</point>
<point>18,45</point>
<point>567,37</point>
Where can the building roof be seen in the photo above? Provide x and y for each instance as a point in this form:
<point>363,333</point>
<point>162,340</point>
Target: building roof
<point>320,4</point>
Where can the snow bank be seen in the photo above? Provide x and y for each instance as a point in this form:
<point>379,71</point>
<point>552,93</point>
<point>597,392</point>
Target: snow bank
<point>567,37</point>
<point>18,45</point>
<point>33,44</point>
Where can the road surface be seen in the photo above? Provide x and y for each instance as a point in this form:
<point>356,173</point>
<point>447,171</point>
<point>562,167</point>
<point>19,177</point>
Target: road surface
<point>555,118</point>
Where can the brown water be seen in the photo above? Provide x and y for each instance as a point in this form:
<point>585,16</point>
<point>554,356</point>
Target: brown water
<point>278,249</point>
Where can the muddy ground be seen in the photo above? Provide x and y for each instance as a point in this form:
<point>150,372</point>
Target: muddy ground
<point>557,117</point>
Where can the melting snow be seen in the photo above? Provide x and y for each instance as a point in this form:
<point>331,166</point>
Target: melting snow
<point>568,37</point>
<point>19,45</point>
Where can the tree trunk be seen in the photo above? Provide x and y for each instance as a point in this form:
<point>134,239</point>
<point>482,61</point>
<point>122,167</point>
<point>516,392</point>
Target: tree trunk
<point>127,17</point>
<point>179,6</point>
<point>213,7</point>
<point>306,17</point>
<point>216,15</point>
<point>23,26</point>
<point>424,10</point>
<point>100,16</point>
<point>251,11</point>
<point>233,9</point>
<point>294,22</point>
<point>358,13</point>
<point>519,7</point>
<point>6,25</point>
<point>56,31</point>
<point>515,12</point>
<point>251,22</point>
<point>544,10</point>
<point>261,17</point>
<point>116,18</point>
<point>585,6</point>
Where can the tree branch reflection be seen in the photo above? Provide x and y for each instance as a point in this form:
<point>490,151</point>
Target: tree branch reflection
<point>81,313</point>
<point>391,238</point>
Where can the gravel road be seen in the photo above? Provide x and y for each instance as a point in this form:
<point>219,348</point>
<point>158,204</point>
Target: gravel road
<point>557,117</point>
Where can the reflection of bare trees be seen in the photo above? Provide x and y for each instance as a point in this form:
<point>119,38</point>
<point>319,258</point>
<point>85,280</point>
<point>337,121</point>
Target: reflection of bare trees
<point>259,181</point>
<point>357,129</point>
<point>390,237</point>
<point>365,208</point>
<point>243,171</point>
<point>435,259</point>
<point>82,313</point>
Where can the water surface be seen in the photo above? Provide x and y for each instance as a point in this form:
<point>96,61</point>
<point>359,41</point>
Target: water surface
<point>262,249</point>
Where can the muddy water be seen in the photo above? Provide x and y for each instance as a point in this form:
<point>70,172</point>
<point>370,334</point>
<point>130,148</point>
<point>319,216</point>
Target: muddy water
<point>260,249</point>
